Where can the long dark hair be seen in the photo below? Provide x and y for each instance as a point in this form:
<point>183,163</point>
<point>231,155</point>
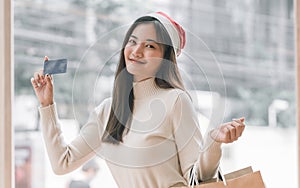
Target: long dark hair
<point>122,100</point>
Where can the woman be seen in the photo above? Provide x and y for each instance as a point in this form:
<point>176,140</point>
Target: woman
<point>148,131</point>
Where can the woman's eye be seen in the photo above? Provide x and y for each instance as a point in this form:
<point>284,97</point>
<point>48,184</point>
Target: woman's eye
<point>131,41</point>
<point>150,46</point>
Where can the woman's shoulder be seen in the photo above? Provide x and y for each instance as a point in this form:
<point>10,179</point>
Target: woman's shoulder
<point>176,93</point>
<point>104,106</point>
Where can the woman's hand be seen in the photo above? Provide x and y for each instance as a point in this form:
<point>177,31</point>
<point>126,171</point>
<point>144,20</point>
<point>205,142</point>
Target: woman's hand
<point>228,132</point>
<point>43,87</point>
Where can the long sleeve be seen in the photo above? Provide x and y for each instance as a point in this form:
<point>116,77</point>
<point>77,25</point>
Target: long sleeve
<point>66,158</point>
<point>192,149</point>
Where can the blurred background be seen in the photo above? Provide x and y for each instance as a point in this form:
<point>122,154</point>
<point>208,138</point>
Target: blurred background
<point>239,61</point>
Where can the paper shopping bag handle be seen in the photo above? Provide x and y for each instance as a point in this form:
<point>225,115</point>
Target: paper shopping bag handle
<point>221,176</point>
<point>194,180</point>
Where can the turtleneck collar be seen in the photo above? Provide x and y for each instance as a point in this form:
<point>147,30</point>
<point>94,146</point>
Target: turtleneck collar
<point>145,88</point>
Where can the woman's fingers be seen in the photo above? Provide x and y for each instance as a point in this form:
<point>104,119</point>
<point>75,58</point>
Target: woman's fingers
<point>34,83</point>
<point>39,77</point>
<point>240,120</point>
<point>234,130</point>
<point>43,86</point>
<point>49,80</point>
<point>239,128</point>
<point>36,76</point>
<point>231,132</point>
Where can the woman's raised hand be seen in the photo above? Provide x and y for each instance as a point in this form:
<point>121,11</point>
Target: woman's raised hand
<point>228,132</point>
<point>43,87</point>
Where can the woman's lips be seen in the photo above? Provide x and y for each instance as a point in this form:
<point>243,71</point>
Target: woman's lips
<point>136,61</point>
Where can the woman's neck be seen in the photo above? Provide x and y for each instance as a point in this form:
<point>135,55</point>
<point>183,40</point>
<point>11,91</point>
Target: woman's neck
<point>140,78</point>
<point>145,88</point>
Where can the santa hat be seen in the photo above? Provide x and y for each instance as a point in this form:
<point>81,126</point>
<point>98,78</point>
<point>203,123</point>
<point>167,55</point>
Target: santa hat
<point>175,31</point>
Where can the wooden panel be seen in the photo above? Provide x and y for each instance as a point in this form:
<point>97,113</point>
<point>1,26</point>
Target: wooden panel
<point>297,61</point>
<point>6,146</point>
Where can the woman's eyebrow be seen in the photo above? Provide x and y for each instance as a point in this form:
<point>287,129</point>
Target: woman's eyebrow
<point>151,40</point>
<point>133,36</point>
<point>148,40</point>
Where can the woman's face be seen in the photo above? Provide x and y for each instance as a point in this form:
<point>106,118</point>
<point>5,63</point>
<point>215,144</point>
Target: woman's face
<point>143,53</point>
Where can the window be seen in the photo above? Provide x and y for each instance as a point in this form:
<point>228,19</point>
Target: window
<point>244,49</point>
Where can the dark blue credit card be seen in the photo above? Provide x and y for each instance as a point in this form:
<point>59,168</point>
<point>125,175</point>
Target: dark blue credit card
<point>57,66</point>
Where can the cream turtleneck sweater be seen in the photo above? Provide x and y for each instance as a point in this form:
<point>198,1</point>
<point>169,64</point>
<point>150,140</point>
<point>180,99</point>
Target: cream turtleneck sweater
<point>162,146</point>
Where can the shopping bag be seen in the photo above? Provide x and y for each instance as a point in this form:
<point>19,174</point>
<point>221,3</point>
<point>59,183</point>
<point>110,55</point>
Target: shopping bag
<point>243,178</point>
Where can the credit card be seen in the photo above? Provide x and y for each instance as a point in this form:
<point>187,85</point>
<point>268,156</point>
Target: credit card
<point>57,66</point>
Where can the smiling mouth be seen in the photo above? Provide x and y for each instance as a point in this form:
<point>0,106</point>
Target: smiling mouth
<point>136,62</point>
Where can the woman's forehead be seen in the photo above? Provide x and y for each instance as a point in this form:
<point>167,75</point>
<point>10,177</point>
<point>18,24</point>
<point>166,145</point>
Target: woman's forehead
<point>145,31</point>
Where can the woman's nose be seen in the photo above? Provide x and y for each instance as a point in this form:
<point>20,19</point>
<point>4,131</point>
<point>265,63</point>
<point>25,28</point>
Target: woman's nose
<point>137,50</point>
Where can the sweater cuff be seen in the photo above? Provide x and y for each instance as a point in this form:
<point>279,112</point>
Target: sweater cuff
<point>49,113</point>
<point>210,143</point>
